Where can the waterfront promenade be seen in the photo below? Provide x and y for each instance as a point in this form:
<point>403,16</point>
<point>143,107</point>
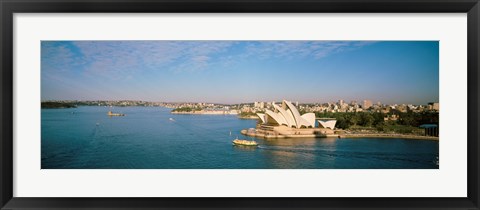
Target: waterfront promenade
<point>279,132</point>
<point>284,132</point>
<point>388,135</point>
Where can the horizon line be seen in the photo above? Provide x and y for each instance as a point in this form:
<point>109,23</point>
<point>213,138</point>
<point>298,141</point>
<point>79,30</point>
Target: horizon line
<point>358,101</point>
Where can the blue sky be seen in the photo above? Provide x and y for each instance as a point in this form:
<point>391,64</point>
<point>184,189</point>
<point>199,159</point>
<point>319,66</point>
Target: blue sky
<point>241,71</point>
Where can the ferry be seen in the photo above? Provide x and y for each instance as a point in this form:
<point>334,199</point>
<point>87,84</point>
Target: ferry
<point>244,142</point>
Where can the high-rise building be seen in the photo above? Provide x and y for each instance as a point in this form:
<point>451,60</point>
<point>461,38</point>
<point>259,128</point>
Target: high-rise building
<point>367,104</point>
<point>434,106</point>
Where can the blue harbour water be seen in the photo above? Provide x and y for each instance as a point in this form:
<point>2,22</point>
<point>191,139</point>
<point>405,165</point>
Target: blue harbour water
<point>146,138</point>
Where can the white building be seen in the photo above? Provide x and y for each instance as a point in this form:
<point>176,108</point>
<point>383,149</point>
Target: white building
<point>287,115</point>
<point>327,123</point>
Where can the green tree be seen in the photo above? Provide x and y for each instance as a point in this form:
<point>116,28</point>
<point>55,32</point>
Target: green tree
<point>367,119</point>
<point>342,122</point>
<point>354,119</point>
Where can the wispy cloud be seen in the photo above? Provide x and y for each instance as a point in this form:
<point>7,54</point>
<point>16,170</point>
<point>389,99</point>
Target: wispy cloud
<point>133,56</point>
<point>300,49</point>
<point>59,57</point>
<point>125,59</point>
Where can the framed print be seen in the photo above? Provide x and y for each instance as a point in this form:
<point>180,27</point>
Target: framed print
<point>239,105</point>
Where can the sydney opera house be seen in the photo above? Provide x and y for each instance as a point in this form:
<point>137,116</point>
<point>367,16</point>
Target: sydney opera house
<point>285,121</point>
<point>287,115</point>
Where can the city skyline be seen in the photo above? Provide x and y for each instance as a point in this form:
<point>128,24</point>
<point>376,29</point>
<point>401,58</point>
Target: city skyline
<point>229,72</point>
<point>359,102</point>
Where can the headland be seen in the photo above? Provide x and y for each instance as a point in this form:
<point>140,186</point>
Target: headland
<point>285,121</point>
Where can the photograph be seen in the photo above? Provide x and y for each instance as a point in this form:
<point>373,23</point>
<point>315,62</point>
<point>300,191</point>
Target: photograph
<point>239,104</point>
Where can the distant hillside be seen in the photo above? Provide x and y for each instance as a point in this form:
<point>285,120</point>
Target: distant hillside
<point>57,105</point>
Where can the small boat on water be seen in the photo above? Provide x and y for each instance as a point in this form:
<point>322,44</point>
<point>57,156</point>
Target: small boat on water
<point>110,113</point>
<point>244,142</point>
<point>171,119</point>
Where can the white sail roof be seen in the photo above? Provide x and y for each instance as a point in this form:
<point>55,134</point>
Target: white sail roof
<point>288,115</point>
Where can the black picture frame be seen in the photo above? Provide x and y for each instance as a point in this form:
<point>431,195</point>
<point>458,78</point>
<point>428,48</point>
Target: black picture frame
<point>10,7</point>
